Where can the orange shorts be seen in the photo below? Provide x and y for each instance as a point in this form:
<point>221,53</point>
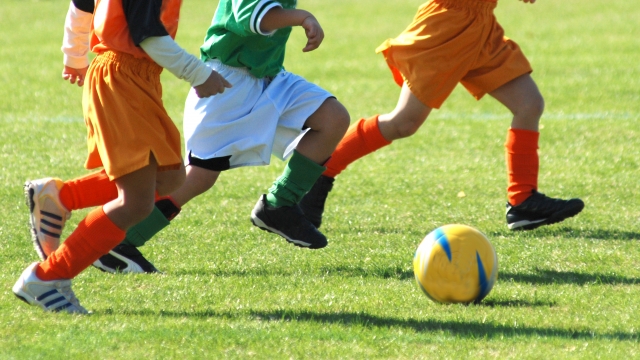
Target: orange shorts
<point>126,120</point>
<point>451,42</point>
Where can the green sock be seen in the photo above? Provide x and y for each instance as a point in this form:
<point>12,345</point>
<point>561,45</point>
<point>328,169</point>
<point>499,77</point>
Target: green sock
<point>143,231</point>
<point>297,179</point>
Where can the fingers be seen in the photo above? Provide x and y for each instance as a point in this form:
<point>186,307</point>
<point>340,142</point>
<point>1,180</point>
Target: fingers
<point>73,78</point>
<point>314,39</point>
<point>215,84</point>
<point>314,33</point>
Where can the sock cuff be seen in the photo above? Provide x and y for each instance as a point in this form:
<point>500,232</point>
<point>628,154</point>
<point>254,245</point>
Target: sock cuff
<point>168,206</point>
<point>302,171</point>
<point>100,223</point>
<point>370,132</point>
<point>145,230</point>
<point>522,141</point>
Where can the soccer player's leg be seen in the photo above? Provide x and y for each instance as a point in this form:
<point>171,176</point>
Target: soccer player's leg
<point>363,138</point>
<point>526,207</point>
<point>126,257</point>
<point>49,282</point>
<point>278,211</point>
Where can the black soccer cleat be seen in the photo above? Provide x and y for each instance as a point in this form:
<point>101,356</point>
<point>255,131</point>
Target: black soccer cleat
<point>539,209</point>
<point>125,259</point>
<point>312,204</point>
<point>288,222</point>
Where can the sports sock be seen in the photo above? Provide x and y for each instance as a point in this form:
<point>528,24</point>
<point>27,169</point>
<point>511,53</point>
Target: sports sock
<point>95,236</point>
<point>522,164</point>
<point>362,138</point>
<point>88,191</point>
<point>297,179</point>
<point>164,211</point>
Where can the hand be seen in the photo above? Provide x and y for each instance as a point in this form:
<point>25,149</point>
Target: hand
<point>74,75</point>
<point>528,1</point>
<point>215,84</point>
<point>314,33</point>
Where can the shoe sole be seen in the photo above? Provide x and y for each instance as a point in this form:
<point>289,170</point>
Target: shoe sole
<point>32,301</point>
<point>29,192</point>
<point>261,225</point>
<point>553,219</point>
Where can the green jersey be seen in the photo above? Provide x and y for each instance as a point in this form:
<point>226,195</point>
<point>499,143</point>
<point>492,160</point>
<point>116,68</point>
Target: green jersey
<point>235,38</point>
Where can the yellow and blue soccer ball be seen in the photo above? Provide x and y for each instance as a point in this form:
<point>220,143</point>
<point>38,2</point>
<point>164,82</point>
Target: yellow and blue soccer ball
<point>455,264</point>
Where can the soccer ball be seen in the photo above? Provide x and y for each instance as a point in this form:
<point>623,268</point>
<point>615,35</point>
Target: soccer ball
<point>455,264</point>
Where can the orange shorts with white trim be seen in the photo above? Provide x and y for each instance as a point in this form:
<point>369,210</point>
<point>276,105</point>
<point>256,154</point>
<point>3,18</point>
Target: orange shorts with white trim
<point>126,120</point>
<point>451,42</point>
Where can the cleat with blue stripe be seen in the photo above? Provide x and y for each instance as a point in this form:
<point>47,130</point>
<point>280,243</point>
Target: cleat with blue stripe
<point>47,214</point>
<point>53,296</point>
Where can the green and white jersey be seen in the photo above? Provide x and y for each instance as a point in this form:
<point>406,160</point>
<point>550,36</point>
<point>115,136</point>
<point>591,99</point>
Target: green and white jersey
<point>235,38</point>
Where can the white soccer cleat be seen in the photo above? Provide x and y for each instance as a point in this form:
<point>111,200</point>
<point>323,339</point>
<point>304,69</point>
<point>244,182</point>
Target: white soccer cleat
<point>47,214</point>
<point>55,296</point>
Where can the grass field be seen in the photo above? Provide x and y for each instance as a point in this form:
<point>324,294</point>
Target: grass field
<point>570,290</point>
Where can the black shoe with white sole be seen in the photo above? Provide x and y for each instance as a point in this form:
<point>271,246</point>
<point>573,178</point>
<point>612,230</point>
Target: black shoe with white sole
<point>539,209</point>
<point>125,259</point>
<point>288,222</point>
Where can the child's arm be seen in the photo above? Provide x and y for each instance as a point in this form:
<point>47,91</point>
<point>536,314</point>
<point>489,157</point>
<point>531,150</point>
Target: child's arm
<point>277,18</point>
<point>168,54</point>
<point>75,43</point>
<point>148,32</point>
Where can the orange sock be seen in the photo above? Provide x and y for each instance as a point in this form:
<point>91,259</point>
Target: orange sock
<point>95,236</point>
<point>522,164</point>
<point>88,191</point>
<point>362,138</point>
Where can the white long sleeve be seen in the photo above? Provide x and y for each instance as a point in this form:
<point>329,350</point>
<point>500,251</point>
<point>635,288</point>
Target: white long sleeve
<point>168,54</point>
<point>75,42</point>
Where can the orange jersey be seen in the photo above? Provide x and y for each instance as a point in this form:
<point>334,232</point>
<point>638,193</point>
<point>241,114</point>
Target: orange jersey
<point>120,25</point>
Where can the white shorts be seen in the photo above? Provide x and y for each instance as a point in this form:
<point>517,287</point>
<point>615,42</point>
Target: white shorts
<point>252,120</point>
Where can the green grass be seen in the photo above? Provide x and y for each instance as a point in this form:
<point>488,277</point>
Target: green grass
<point>570,290</point>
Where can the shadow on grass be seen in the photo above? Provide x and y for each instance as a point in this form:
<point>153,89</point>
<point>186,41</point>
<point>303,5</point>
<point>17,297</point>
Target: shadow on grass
<point>571,233</point>
<point>538,277</point>
<point>516,303</point>
<point>467,329</point>
<point>391,272</point>
<point>545,277</point>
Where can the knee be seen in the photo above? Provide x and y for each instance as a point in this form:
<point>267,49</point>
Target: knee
<point>338,121</point>
<point>406,126</point>
<point>204,182</point>
<point>532,109</point>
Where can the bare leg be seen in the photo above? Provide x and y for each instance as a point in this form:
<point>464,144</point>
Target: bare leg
<point>136,193</point>
<point>409,114</point>
<point>522,97</point>
<point>327,126</point>
<point>198,181</point>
